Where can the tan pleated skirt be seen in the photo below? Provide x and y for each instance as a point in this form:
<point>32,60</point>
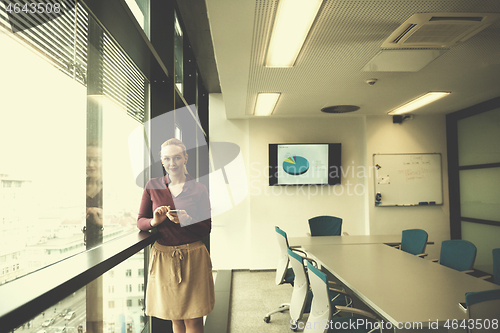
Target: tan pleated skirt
<point>180,282</point>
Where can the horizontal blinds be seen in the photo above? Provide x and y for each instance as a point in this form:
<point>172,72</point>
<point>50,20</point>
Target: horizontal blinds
<point>64,44</point>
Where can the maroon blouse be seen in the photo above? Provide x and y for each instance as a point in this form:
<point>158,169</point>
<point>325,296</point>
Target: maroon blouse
<point>193,199</point>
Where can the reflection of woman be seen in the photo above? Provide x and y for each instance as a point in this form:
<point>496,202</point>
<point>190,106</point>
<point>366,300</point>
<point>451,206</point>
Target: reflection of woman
<point>94,218</point>
<point>180,284</point>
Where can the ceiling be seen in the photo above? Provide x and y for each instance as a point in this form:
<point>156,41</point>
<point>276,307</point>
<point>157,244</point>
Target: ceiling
<point>346,35</point>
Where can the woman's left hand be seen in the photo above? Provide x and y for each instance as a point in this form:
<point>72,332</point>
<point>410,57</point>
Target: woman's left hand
<point>180,217</point>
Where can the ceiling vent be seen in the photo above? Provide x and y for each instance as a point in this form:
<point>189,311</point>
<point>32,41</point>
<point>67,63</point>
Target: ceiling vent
<point>340,109</point>
<point>438,30</point>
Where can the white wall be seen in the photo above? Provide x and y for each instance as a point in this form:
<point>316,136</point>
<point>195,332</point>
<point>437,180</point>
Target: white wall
<point>423,134</point>
<point>244,236</point>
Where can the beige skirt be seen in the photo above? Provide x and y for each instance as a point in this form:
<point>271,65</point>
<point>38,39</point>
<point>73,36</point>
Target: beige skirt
<point>180,282</point>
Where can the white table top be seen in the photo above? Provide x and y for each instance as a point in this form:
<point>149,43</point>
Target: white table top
<point>343,240</point>
<point>398,286</point>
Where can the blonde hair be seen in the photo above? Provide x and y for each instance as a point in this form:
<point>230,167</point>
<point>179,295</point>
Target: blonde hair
<point>176,142</point>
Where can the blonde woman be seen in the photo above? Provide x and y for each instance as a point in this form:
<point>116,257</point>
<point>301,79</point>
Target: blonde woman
<point>180,284</point>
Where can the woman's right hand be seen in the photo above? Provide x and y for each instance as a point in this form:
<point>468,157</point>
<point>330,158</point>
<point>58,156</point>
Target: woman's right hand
<point>160,215</point>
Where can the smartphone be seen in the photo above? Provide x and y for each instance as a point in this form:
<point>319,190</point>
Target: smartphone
<point>463,306</point>
<point>174,211</point>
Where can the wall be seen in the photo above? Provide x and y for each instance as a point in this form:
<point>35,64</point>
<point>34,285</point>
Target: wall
<point>244,236</point>
<point>423,134</point>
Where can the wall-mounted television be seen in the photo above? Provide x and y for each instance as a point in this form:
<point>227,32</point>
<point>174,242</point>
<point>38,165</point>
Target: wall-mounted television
<point>304,163</point>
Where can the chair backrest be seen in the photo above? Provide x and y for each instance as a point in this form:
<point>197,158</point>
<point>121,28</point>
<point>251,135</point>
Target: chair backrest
<point>483,305</point>
<point>325,226</point>
<point>414,241</point>
<point>321,310</point>
<point>458,254</point>
<point>300,286</point>
<point>281,269</point>
<point>496,265</point>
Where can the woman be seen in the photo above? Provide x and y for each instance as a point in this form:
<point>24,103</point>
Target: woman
<point>180,284</point>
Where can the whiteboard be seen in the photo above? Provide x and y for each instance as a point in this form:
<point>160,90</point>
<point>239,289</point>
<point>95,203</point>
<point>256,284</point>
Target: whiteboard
<point>408,179</point>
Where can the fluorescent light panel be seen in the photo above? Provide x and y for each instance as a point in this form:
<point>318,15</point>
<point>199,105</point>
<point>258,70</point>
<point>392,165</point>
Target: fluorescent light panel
<point>266,102</point>
<point>419,102</point>
<point>293,21</point>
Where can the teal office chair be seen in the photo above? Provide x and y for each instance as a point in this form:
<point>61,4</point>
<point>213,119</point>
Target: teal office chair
<point>284,273</point>
<point>325,226</point>
<point>458,254</point>
<point>322,309</point>
<point>414,241</point>
<point>484,305</point>
<point>302,294</point>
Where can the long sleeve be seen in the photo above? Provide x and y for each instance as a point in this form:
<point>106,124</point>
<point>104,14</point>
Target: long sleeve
<point>145,211</point>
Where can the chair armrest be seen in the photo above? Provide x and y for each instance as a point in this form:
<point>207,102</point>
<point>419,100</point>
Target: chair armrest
<point>345,233</point>
<point>298,250</point>
<point>355,311</point>
<point>467,272</point>
<point>333,283</point>
<point>484,277</point>
<point>308,234</point>
<point>396,246</point>
<point>315,264</point>
<point>422,255</point>
<point>338,291</point>
<point>435,260</point>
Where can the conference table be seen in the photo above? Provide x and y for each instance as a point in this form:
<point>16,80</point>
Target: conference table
<point>397,286</point>
<point>344,240</point>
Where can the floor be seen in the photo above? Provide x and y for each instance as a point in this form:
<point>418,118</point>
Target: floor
<point>254,294</point>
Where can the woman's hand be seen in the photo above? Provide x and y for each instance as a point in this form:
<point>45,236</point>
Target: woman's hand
<point>178,217</point>
<point>159,215</point>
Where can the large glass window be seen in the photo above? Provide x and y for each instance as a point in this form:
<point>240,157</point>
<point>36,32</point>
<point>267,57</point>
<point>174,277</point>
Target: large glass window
<point>70,100</point>
<point>42,174</point>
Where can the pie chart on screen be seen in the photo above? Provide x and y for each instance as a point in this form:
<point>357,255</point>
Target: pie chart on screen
<point>295,165</point>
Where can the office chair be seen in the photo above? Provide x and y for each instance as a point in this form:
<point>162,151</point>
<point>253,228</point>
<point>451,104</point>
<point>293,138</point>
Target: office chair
<point>322,308</point>
<point>484,305</point>
<point>325,226</point>
<point>284,274</point>
<point>458,254</point>
<point>302,294</point>
<point>414,241</point>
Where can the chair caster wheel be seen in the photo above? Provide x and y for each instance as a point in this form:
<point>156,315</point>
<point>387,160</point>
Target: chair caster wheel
<point>267,319</point>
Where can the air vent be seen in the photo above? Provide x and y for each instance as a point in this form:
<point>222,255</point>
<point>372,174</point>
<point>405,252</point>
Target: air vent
<point>340,109</point>
<point>438,30</point>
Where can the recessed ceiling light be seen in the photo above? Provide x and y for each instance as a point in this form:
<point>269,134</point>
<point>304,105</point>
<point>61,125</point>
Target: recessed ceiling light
<point>419,102</point>
<point>265,104</point>
<point>293,21</point>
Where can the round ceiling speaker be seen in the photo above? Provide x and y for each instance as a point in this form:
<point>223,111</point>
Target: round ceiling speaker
<point>340,109</point>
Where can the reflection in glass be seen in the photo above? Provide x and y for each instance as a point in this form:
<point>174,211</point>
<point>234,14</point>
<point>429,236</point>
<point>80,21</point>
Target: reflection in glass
<point>140,9</point>
<point>178,55</point>
<point>478,138</point>
<point>480,193</point>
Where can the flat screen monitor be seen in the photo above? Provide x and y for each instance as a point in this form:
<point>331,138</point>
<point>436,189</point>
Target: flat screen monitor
<point>304,163</point>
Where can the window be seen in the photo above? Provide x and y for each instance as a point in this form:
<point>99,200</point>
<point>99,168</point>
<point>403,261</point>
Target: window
<point>128,288</point>
<point>128,272</point>
<point>140,272</point>
<point>111,289</point>
<point>141,287</point>
<point>111,304</point>
<point>140,302</point>
<point>129,303</point>
<point>178,54</point>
